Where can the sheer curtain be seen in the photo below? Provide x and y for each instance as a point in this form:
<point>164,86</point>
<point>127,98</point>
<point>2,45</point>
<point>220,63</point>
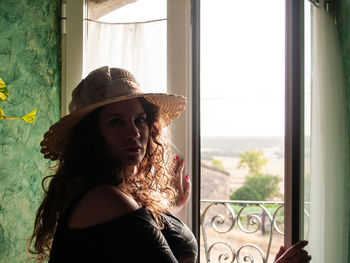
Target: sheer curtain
<point>138,47</point>
<point>328,233</point>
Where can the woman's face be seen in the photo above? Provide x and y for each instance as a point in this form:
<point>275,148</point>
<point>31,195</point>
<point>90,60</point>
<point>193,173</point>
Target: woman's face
<point>123,125</point>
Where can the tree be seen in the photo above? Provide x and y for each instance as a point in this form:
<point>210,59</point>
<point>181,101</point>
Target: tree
<point>246,193</point>
<point>253,160</point>
<point>217,164</point>
<point>258,187</point>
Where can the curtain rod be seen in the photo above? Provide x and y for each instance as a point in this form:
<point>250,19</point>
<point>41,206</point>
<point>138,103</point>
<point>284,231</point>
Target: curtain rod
<point>126,23</point>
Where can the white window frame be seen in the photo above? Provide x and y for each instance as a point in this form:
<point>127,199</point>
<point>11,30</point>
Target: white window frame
<point>72,49</point>
<point>179,75</point>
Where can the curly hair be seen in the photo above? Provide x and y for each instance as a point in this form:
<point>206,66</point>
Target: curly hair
<point>152,186</point>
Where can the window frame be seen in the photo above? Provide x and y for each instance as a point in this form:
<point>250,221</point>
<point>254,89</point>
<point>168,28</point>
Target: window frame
<point>196,134</point>
<point>72,41</point>
<point>294,122</point>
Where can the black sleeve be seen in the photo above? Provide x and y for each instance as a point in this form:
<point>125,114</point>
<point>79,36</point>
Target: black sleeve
<point>136,238</point>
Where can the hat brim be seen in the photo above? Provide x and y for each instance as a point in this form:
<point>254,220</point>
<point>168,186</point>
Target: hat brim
<point>57,138</point>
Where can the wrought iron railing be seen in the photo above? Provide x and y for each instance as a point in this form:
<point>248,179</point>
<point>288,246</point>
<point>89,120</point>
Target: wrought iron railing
<point>236,217</point>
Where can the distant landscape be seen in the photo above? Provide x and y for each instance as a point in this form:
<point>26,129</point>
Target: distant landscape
<point>227,150</point>
<point>232,146</point>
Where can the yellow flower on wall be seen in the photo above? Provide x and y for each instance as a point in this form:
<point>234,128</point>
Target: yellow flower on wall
<point>3,90</point>
<point>29,117</point>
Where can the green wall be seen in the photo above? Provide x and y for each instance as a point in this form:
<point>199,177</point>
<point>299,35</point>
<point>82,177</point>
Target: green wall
<point>30,66</point>
<point>343,26</point>
<point>342,15</point>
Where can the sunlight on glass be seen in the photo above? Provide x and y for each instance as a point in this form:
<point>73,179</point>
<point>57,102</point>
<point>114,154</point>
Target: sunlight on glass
<point>242,128</point>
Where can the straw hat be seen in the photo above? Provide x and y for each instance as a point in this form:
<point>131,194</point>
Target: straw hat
<point>101,87</point>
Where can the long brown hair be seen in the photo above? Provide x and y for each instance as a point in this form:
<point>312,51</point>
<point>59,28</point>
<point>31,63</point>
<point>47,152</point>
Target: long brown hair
<point>86,157</point>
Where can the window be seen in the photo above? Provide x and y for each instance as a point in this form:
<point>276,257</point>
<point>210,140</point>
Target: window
<point>242,126</point>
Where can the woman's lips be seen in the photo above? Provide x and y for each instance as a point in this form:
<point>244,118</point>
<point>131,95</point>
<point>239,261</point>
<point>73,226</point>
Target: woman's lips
<point>133,149</point>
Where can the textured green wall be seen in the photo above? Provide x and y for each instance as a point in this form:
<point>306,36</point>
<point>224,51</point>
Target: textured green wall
<point>343,25</point>
<point>30,66</point>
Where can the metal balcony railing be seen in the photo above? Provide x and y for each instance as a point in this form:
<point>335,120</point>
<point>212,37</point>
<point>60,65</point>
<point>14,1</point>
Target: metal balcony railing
<point>260,218</point>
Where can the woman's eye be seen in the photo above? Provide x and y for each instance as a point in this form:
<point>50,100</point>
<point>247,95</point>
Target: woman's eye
<point>116,122</point>
<point>140,120</point>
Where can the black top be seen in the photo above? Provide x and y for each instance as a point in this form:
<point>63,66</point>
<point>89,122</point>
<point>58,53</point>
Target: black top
<point>134,237</point>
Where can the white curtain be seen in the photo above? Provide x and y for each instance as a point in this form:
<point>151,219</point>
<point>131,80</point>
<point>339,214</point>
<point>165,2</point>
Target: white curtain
<point>138,47</point>
<point>328,233</point>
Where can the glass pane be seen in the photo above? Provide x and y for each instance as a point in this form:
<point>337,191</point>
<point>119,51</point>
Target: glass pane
<point>242,127</point>
<point>129,34</point>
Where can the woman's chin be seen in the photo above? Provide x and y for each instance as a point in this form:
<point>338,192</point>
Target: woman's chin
<point>132,160</point>
<point>128,159</point>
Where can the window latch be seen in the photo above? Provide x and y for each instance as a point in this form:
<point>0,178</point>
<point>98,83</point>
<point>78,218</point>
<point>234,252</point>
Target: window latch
<point>327,4</point>
<point>64,18</point>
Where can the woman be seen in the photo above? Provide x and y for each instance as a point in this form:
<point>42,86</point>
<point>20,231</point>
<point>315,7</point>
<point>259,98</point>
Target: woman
<point>109,199</point>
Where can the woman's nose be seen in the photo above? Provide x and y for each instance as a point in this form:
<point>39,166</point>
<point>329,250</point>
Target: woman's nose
<point>133,131</point>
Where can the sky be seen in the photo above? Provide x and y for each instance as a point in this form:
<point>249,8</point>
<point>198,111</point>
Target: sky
<point>242,68</point>
<point>242,64</point>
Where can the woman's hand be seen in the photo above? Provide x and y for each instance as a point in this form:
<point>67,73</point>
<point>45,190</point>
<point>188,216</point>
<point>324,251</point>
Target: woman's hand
<point>294,254</point>
<point>182,184</point>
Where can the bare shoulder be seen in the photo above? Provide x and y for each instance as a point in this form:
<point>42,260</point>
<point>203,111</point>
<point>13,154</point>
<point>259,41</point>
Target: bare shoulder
<point>101,204</point>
